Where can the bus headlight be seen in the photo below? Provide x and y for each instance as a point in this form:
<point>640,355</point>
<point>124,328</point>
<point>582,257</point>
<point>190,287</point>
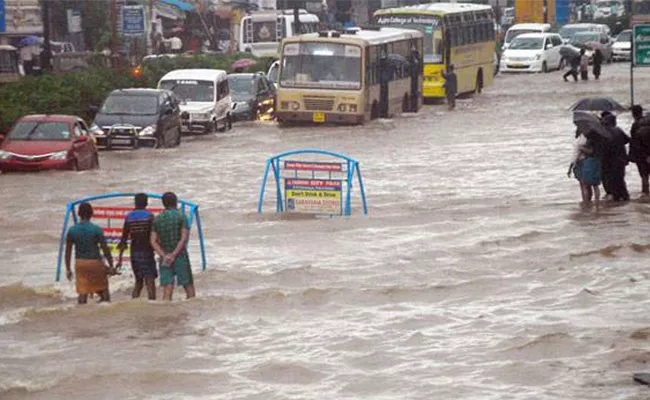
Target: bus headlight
<point>290,105</point>
<point>345,107</point>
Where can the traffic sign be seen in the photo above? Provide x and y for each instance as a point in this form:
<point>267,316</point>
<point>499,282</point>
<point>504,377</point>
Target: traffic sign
<point>641,45</point>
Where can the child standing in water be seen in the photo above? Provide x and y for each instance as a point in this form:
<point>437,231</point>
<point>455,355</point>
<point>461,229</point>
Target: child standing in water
<point>586,167</point>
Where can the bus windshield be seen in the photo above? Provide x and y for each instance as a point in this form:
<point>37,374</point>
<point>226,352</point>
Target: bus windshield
<point>321,65</point>
<point>429,25</point>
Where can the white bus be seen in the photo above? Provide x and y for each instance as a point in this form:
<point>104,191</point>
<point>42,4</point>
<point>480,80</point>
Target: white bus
<point>261,33</point>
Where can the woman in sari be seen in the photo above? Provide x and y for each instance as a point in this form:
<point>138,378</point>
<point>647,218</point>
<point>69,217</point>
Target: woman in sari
<point>91,273</point>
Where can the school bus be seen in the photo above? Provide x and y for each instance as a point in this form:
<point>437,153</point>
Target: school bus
<point>349,77</point>
<point>457,34</point>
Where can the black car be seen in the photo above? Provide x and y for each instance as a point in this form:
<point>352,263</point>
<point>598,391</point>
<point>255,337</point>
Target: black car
<point>253,96</point>
<point>131,117</point>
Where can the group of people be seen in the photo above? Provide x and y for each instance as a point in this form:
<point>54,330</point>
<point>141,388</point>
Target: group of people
<point>580,64</point>
<point>603,159</point>
<point>165,235</point>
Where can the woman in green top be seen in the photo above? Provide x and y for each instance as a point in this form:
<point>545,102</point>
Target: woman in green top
<point>91,273</point>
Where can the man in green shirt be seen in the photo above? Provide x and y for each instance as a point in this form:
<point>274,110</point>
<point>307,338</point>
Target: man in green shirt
<point>169,235</point>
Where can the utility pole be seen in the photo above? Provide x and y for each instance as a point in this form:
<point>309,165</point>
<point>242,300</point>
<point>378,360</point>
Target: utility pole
<point>46,57</point>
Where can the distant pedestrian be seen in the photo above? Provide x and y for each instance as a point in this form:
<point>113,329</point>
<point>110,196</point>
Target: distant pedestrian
<point>574,64</point>
<point>597,63</point>
<point>169,235</point>
<point>584,65</point>
<point>137,227</point>
<point>639,147</point>
<point>616,158</point>
<point>90,271</point>
<point>451,85</point>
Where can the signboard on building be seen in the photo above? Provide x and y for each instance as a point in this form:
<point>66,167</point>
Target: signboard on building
<point>133,20</point>
<point>22,17</point>
<point>74,21</point>
<point>641,45</point>
<point>2,16</point>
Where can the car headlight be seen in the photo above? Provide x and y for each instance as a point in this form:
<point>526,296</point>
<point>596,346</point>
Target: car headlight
<point>148,131</point>
<point>96,130</point>
<point>4,155</point>
<point>59,155</point>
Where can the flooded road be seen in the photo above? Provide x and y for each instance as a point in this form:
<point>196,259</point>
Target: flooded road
<point>476,274</point>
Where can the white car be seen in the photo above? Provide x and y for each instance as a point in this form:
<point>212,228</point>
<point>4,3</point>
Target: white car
<point>622,47</point>
<point>532,52</point>
<point>609,8</point>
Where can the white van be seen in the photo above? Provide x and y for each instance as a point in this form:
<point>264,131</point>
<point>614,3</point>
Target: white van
<point>519,29</point>
<point>260,33</point>
<point>204,97</point>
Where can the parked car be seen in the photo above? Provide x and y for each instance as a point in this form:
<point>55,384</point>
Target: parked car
<point>39,142</point>
<point>590,40</point>
<point>532,52</point>
<point>520,29</point>
<point>253,96</point>
<point>131,117</point>
<point>609,8</point>
<point>205,98</point>
<point>622,46</point>
<point>569,30</point>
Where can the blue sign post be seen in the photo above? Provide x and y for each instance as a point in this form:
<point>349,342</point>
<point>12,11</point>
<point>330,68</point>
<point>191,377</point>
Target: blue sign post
<point>3,23</point>
<point>313,186</point>
<point>133,20</point>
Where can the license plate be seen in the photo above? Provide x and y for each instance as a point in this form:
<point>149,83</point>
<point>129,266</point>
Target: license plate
<point>516,65</point>
<point>318,117</point>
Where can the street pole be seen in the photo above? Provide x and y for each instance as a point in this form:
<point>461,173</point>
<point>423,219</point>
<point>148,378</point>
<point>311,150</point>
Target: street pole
<point>46,58</point>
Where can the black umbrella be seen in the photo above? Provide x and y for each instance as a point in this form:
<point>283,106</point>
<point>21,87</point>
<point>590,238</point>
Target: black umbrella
<point>569,52</point>
<point>597,104</point>
<point>586,121</point>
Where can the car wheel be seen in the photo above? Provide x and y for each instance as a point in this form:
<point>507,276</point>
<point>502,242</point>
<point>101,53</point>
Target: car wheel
<point>544,67</point>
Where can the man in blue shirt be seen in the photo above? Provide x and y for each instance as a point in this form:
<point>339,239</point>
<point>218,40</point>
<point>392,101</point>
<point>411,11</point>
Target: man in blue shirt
<point>137,227</point>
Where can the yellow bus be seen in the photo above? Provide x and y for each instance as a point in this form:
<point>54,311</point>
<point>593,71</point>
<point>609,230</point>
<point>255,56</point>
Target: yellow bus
<point>457,34</point>
<point>349,77</point>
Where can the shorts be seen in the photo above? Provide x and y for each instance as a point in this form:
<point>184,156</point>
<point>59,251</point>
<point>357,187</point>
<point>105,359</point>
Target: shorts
<point>143,265</point>
<point>588,171</point>
<point>180,269</point>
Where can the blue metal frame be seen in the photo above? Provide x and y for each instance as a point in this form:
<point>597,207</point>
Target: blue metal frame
<point>274,164</point>
<point>70,210</point>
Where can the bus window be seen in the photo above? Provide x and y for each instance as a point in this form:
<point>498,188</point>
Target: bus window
<point>438,47</point>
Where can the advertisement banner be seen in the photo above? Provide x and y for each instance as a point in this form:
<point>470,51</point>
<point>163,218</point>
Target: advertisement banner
<point>111,219</point>
<point>313,196</point>
<point>133,20</point>
<point>312,166</point>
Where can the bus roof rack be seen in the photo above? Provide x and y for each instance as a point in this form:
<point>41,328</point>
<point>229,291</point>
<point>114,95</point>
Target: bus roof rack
<point>370,27</point>
<point>349,31</point>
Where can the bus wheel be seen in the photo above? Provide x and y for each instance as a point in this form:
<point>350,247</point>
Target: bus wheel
<point>374,111</point>
<point>479,82</point>
<point>405,104</point>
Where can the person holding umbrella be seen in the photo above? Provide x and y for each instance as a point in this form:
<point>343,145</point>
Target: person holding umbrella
<point>591,140</point>
<point>573,58</point>
<point>615,159</point>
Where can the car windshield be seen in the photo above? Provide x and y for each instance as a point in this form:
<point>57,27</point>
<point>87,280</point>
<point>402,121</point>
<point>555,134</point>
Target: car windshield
<point>190,90</point>
<point>526,43</point>
<point>321,65</point>
<point>511,34</point>
<point>241,87</point>
<point>130,105</point>
<point>624,36</point>
<point>34,130</point>
<point>584,37</point>
<point>567,32</point>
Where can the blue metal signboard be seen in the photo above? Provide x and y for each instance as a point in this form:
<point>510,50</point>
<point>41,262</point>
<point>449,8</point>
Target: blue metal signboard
<point>313,186</point>
<point>3,24</point>
<point>133,20</point>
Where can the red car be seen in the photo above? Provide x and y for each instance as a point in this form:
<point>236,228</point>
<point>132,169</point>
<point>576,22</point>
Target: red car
<point>38,142</point>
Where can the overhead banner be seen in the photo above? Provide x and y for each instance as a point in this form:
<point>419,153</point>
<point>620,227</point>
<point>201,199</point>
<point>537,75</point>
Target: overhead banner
<point>313,196</point>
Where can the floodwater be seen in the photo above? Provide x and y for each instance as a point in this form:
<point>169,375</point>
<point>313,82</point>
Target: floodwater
<point>476,274</point>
